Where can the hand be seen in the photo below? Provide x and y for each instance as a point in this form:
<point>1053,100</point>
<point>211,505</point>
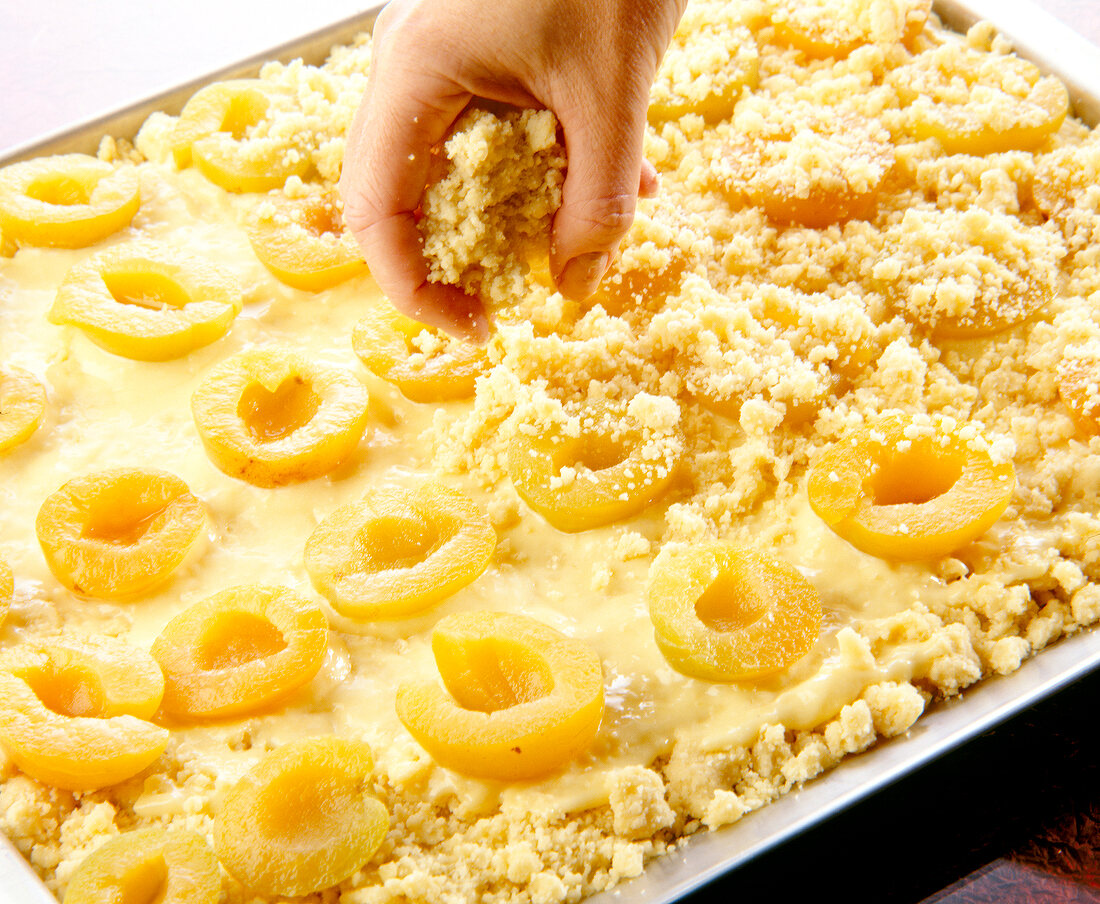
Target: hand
<point>590,61</point>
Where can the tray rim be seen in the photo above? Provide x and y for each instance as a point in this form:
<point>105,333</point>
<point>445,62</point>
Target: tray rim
<point>1036,35</point>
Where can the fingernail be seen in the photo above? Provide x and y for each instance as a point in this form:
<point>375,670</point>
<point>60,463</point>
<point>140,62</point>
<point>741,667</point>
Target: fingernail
<point>580,277</point>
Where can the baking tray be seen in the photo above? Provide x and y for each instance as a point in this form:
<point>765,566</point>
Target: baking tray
<point>1037,36</point>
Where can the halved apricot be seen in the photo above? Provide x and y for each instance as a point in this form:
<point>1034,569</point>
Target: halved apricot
<point>147,302</point>
<point>271,417</point>
<point>979,103</point>
<point>711,60</point>
<point>637,285</point>
<point>99,677</point>
<point>723,612</point>
<point>303,242</point>
<point>302,820</point>
<point>397,552</point>
<point>118,533</point>
<point>820,28</point>
<point>22,404</point>
<point>7,588</point>
<point>611,468</point>
<point>145,866</point>
<point>1064,178</point>
<point>241,650</point>
<point>968,274</point>
<point>73,711</point>
<point>69,201</point>
<point>903,488</point>
<point>425,364</point>
<point>1079,386</point>
<point>829,168</point>
<point>223,131</point>
<point>521,699</point>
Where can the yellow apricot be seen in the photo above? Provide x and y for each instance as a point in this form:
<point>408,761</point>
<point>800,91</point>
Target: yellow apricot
<point>723,612</point>
<point>301,820</point>
<point>271,417</point>
<point>397,552</point>
<point>147,302</point>
<point>99,677</point>
<point>712,59</point>
<point>145,866</point>
<point>828,169</point>
<point>68,201</point>
<point>521,699</point>
<point>1079,386</point>
<point>7,588</point>
<point>22,404</point>
<point>304,244</point>
<point>611,469</point>
<point>821,28</point>
<point>970,273</point>
<point>221,130</point>
<point>627,288</point>
<point>1064,178</point>
<point>119,533</point>
<point>73,711</point>
<point>979,103</point>
<point>239,651</point>
<point>425,364</point>
<point>908,489</point>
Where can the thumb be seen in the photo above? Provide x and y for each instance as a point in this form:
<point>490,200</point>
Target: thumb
<point>600,192</point>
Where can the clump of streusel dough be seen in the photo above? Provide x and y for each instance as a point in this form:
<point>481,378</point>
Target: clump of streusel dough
<point>491,209</point>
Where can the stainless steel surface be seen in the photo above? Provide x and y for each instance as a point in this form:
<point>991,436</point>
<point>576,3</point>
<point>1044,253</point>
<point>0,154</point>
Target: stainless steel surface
<point>943,728</point>
<point>18,882</point>
<point>1037,36</point>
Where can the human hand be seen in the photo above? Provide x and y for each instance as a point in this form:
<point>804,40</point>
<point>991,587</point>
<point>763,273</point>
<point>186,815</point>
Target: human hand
<point>590,61</point>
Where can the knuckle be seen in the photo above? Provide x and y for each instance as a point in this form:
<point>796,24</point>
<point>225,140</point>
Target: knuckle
<point>608,216</point>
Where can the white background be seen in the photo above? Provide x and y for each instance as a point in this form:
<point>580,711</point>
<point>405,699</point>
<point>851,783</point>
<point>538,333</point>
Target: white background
<point>63,61</point>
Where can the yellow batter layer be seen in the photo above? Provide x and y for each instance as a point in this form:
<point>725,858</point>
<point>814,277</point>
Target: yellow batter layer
<point>672,753</point>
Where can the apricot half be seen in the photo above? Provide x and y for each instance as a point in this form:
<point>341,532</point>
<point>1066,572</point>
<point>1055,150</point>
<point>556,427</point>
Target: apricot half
<point>224,130</point>
<point>22,404</point>
<point>712,59</point>
<point>968,274</point>
<point>397,552</point>
<point>304,244</point>
<point>118,533</point>
<point>908,489</point>
<point>979,103</point>
<point>69,201</point>
<point>1079,386</point>
<point>723,612</point>
<point>612,468</point>
<point>145,866</point>
<point>270,417</point>
<point>7,588</point>
<point>73,711</point>
<point>422,362</point>
<point>809,167</point>
<point>521,699</point>
<point>147,302</point>
<point>241,650</point>
<point>301,820</point>
<point>820,28</point>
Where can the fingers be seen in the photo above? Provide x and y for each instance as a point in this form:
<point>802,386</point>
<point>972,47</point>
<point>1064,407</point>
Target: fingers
<point>649,183</point>
<point>600,192</point>
<point>386,166</point>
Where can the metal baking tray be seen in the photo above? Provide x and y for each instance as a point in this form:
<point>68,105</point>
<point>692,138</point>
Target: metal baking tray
<point>1037,36</point>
